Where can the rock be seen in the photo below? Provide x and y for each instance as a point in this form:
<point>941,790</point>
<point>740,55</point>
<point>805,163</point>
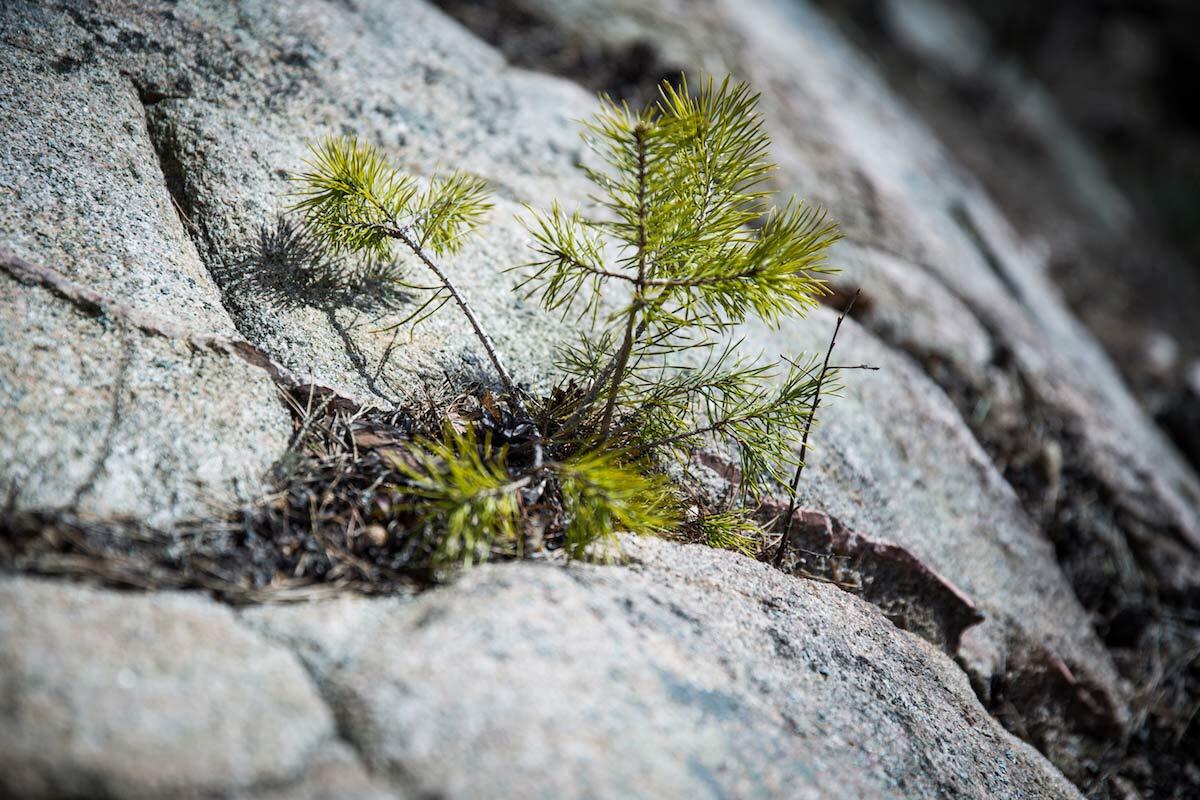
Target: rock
<point>1020,114</point>
<point>893,460</point>
<point>97,414</point>
<point>117,422</point>
<point>136,696</point>
<point>707,675</point>
<point>997,446</point>
<point>908,592</point>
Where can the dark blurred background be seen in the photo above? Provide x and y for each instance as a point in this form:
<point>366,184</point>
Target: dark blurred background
<point>1125,73</point>
<point>1054,104</point>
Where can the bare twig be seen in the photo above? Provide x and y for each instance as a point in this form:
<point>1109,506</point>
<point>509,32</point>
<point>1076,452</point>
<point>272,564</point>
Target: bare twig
<point>787,523</point>
<point>510,387</point>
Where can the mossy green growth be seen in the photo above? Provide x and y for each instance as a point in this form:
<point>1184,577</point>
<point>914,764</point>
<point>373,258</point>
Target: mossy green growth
<point>673,254</point>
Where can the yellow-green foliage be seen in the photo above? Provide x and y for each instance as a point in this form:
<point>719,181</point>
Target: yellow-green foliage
<point>602,496</point>
<point>678,225</point>
<point>678,229</point>
<point>731,530</point>
<point>467,501</point>
<point>354,200</point>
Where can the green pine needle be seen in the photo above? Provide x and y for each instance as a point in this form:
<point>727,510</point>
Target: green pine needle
<point>681,231</point>
<point>602,496</point>
<point>353,199</point>
<point>731,530</point>
<point>468,503</point>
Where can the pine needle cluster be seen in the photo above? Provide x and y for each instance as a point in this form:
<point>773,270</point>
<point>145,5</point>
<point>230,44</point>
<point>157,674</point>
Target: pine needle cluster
<point>677,232</point>
<point>678,225</point>
<point>357,204</point>
<point>354,200</point>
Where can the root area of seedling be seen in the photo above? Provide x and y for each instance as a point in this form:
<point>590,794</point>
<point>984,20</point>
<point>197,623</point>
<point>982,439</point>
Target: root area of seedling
<point>341,515</point>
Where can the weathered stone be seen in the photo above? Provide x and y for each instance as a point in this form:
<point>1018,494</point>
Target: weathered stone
<point>892,459</point>
<point>96,414</point>
<point>105,418</point>
<point>692,673</point>
<point>907,590</point>
<point>104,694</point>
<point>204,107</point>
<point>950,283</point>
<point>1009,129</point>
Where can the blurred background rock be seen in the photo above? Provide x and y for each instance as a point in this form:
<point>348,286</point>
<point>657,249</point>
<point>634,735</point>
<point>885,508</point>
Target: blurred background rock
<point>1082,117</point>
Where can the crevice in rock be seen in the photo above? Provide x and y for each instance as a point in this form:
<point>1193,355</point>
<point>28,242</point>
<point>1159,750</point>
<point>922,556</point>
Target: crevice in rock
<point>909,592</point>
<point>961,214</point>
<point>1035,691</point>
<point>343,718</point>
<point>92,303</point>
<point>163,136</point>
<point>174,178</point>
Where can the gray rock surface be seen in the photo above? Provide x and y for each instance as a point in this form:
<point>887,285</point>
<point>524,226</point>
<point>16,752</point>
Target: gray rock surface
<point>97,414</point>
<point>117,422</point>
<point>1108,256</point>
<point>947,282</point>
<point>145,145</point>
<point>691,673</point>
<point>106,694</point>
<point>894,459</point>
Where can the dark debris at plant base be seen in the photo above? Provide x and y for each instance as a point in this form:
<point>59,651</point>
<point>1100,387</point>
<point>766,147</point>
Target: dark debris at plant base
<point>338,519</point>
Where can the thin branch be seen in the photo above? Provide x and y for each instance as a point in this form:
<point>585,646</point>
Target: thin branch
<point>579,265</point>
<point>712,427</point>
<point>791,510</point>
<point>707,280</point>
<point>585,403</point>
<point>404,235</point>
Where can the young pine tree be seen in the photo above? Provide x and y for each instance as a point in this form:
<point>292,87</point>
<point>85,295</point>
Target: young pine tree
<point>674,254</point>
<point>680,228</point>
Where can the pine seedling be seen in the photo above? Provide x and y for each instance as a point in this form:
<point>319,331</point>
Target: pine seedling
<point>464,499</point>
<point>678,227</point>
<point>601,495</point>
<point>677,234</point>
